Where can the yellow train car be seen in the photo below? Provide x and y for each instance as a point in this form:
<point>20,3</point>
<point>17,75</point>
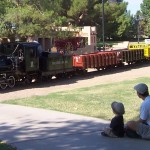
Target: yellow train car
<point>135,46</point>
<point>140,46</point>
<point>147,51</point>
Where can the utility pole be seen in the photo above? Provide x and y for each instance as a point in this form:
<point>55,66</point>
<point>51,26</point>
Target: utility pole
<point>138,31</point>
<point>103,25</point>
<point>138,27</point>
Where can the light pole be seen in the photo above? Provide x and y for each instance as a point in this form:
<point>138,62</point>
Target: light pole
<point>138,31</point>
<point>103,25</point>
<point>138,27</point>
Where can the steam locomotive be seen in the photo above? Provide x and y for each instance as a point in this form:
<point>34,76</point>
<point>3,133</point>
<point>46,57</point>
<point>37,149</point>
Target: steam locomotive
<point>23,62</point>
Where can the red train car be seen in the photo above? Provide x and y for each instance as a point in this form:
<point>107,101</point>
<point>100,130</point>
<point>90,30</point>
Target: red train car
<point>99,60</point>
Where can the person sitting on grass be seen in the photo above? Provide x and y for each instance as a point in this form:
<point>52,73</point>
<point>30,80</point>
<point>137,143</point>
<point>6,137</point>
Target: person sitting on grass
<point>141,128</point>
<point>116,128</point>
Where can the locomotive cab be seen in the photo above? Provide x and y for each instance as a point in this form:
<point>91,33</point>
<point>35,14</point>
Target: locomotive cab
<point>24,55</point>
<point>31,54</point>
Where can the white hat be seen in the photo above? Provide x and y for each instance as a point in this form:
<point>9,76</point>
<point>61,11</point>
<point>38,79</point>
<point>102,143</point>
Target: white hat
<point>118,108</point>
<point>141,88</point>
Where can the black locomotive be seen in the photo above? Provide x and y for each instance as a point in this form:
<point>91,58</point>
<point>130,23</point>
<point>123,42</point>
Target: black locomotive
<point>26,61</point>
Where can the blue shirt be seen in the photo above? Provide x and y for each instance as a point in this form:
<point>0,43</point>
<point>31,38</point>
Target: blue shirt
<point>145,110</point>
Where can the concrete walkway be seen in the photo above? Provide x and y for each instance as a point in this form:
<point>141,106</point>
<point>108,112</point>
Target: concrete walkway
<point>37,129</point>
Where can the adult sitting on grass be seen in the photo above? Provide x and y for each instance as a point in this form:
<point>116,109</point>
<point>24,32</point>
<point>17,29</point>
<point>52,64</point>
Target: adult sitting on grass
<point>116,128</point>
<point>141,127</point>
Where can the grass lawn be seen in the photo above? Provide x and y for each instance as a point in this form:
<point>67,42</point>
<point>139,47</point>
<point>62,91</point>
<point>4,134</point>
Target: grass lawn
<point>4,146</point>
<point>91,101</point>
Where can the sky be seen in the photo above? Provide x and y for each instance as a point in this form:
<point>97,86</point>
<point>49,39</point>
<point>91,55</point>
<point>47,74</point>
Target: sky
<point>133,5</point>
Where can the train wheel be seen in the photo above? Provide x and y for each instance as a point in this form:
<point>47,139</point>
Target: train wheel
<point>11,81</point>
<point>3,85</point>
<point>59,76</point>
<point>27,81</point>
<point>98,69</point>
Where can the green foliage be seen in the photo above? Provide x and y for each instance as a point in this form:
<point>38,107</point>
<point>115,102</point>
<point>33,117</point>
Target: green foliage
<point>77,10</point>
<point>42,17</point>
<point>5,146</point>
<point>145,15</point>
<point>26,20</point>
<point>145,7</point>
<point>117,20</point>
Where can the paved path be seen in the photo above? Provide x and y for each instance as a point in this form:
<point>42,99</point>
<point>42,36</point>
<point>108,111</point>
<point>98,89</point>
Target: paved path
<point>37,129</point>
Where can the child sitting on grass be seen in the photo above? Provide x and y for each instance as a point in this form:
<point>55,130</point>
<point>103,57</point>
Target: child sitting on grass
<point>116,128</point>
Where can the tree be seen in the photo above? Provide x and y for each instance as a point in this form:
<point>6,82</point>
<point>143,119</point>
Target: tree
<point>117,20</point>
<point>145,7</point>
<point>25,19</point>
<point>89,12</point>
<point>43,17</point>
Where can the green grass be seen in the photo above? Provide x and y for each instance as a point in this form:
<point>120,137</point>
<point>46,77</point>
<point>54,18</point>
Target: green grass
<point>92,101</point>
<point>5,146</point>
